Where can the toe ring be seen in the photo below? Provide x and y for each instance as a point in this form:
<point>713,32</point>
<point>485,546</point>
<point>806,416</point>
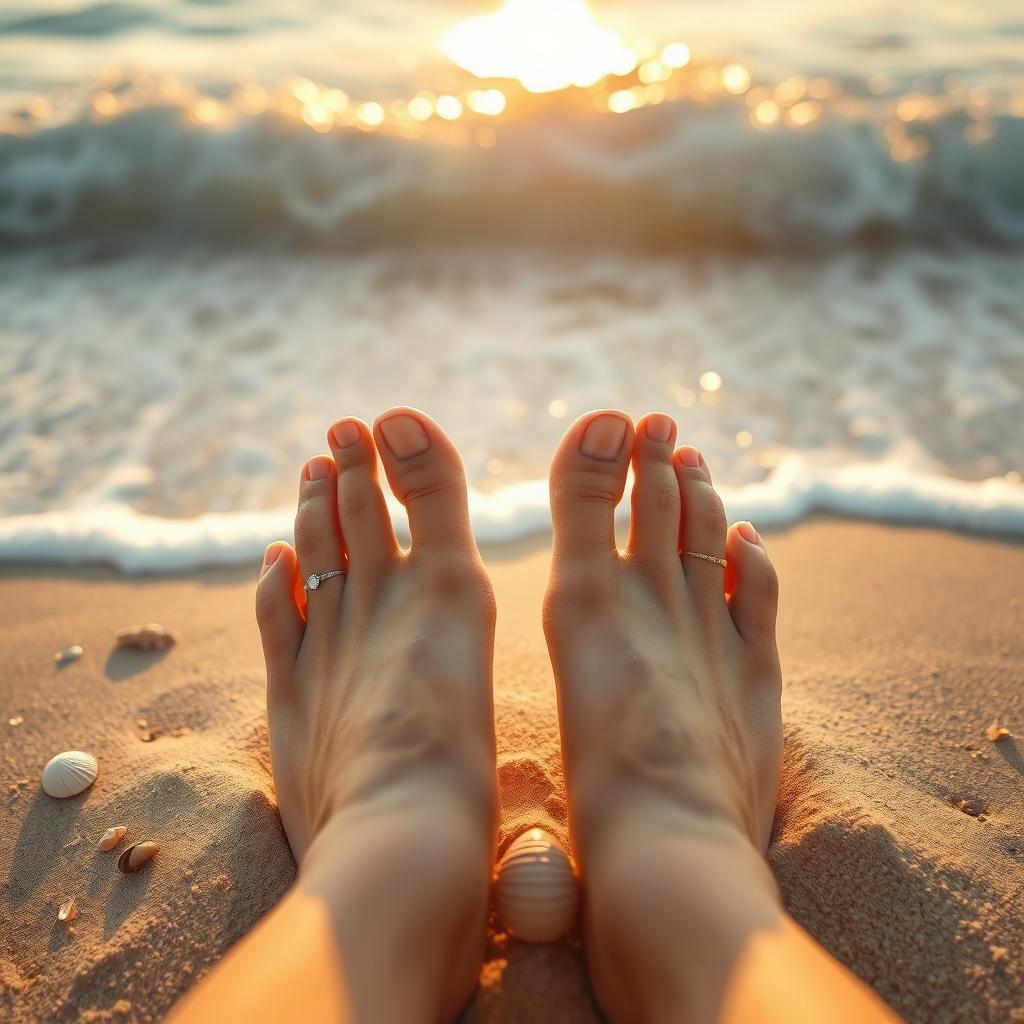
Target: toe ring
<point>707,558</point>
<point>313,580</point>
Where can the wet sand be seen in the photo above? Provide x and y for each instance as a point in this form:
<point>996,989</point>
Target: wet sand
<point>899,840</point>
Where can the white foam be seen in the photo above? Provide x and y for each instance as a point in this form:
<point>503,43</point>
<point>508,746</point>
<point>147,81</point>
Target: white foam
<point>155,410</point>
<point>886,492</point>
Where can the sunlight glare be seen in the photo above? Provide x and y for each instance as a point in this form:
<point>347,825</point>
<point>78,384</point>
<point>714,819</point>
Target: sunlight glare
<point>486,101</point>
<point>676,55</point>
<point>370,114</point>
<point>546,44</point>
<point>449,108</point>
<point>735,78</point>
<point>421,107</point>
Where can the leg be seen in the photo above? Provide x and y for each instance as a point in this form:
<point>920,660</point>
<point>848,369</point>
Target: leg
<point>669,692</point>
<point>382,745</point>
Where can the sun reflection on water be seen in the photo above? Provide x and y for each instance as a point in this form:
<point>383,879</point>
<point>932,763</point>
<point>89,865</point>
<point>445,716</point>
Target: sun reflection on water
<point>533,58</point>
<point>546,44</point>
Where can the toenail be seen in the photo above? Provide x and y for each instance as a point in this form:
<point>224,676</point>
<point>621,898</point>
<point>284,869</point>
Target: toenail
<point>404,436</point>
<point>690,457</point>
<point>748,533</point>
<point>318,468</point>
<point>603,437</point>
<point>659,428</point>
<point>345,433</point>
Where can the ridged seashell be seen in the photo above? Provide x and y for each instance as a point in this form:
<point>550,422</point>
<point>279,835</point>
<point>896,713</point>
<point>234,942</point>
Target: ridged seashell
<point>112,837</point>
<point>135,856</point>
<point>69,774</point>
<point>150,637</point>
<point>535,889</point>
<point>72,653</point>
<point>67,910</point>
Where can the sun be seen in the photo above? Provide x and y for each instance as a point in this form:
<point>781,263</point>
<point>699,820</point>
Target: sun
<point>545,44</point>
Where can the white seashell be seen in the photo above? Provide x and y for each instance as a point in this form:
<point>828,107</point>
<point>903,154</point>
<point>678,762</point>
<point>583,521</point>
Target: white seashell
<point>112,837</point>
<point>535,890</point>
<point>69,774</point>
<point>135,856</point>
<point>72,653</point>
<point>67,911</point>
<point>150,637</point>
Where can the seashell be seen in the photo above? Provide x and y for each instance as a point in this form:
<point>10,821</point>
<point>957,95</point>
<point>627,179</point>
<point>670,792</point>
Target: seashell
<point>112,837</point>
<point>72,653</point>
<point>67,910</point>
<point>150,637</point>
<point>69,774</point>
<point>535,890</point>
<point>135,856</point>
<point>996,732</point>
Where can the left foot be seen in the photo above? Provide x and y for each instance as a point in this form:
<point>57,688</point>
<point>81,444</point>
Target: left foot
<point>379,699</point>
<point>669,693</point>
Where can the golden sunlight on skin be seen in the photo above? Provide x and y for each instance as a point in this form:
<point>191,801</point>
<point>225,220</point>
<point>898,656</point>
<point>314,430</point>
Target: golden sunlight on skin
<point>764,975</point>
<point>302,977</point>
<point>545,44</point>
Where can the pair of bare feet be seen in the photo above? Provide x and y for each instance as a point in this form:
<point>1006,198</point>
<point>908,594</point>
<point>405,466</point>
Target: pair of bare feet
<point>382,742</point>
<point>380,695</point>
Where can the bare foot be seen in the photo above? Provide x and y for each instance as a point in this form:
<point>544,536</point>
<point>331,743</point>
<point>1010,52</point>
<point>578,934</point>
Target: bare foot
<point>669,698</point>
<point>379,702</point>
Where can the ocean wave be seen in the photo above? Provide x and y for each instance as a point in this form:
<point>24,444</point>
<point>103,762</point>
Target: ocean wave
<point>885,492</point>
<point>111,19</point>
<point>668,176</point>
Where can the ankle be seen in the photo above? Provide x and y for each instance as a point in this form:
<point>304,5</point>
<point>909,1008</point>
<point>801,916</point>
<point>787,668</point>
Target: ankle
<point>665,923</point>
<point>388,878</point>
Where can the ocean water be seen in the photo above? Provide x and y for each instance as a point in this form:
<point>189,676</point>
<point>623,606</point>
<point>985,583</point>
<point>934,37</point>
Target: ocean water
<point>222,225</point>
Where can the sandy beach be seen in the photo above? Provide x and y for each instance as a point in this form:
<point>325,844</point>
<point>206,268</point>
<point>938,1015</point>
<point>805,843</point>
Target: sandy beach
<point>899,838</point>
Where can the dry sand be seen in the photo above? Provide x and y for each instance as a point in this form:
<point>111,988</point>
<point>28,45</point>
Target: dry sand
<point>900,837</point>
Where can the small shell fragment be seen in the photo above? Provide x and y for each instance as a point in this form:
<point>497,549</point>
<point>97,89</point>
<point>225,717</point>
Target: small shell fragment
<point>535,889</point>
<point>135,856</point>
<point>69,773</point>
<point>112,837</point>
<point>69,654</point>
<point>996,732</point>
<point>67,910</point>
<point>150,637</point>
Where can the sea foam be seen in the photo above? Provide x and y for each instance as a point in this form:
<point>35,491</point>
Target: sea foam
<point>134,542</point>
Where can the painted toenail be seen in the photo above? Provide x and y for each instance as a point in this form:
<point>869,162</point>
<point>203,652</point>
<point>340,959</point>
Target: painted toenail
<point>345,433</point>
<point>748,533</point>
<point>659,428</point>
<point>603,437</point>
<point>690,457</point>
<point>317,468</point>
<point>404,436</point>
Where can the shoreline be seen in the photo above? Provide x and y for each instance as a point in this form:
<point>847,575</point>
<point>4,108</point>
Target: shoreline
<point>899,840</point>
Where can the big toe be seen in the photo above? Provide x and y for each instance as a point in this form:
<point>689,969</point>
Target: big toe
<point>588,476</point>
<point>425,472</point>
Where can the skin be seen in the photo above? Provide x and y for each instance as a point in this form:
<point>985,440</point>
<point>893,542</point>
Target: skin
<point>382,743</point>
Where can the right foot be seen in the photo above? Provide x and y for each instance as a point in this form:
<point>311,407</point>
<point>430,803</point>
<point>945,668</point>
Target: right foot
<point>379,706</point>
<point>669,691</point>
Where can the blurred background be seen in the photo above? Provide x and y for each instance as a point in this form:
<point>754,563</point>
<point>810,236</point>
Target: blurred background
<point>796,227</point>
